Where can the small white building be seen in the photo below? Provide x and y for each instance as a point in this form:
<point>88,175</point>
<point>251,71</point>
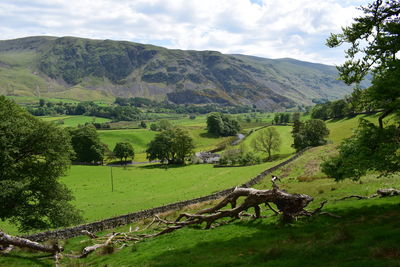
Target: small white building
<point>206,157</point>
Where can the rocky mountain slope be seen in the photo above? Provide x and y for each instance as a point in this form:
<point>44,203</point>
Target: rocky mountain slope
<point>87,69</point>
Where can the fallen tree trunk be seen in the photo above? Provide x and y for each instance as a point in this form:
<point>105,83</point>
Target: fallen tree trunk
<point>8,240</point>
<point>382,192</point>
<point>289,206</point>
<point>87,250</point>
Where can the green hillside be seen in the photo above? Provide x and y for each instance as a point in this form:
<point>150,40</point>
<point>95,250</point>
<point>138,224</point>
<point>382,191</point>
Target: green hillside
<point>366,234</point>
<point>85,69</point>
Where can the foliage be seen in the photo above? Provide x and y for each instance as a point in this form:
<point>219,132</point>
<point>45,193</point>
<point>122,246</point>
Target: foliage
<point>370,149</point>
<point>143,124</point>
<point>33,154</point>
<point>123,150</point>
<point>161,125</point>
<point>88,108</point>
<point>266,141</point>
<point>164,125</point>
<point>222,125</point>
<point>296,123</point>
<point>311,133</point>
<point>239,156</point>
<point>168,107</point>
<point>172,146</point>
<point>374,46</point>
<point>339,108</point>
<point>153,127</point>
<point>281,118</point>
<point>86,144</point>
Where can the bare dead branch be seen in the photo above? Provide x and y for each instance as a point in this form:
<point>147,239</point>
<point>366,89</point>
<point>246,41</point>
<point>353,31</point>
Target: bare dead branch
<point>87,250</point>
<point>8,240</point>
<point>271,208</point>
<point>382,192</point>
<point>6,249</point>
<point>89,234</point>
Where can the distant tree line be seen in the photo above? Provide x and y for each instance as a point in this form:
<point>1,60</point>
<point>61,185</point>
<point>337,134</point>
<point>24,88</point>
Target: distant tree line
<point>167,107</point>
<point>128,109</point>
<point>282,118</point>
<point>359,101</point>
<point>89,108</point>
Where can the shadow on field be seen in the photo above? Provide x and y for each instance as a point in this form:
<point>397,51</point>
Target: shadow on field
<point>28,260</point>
<point>362,236</point>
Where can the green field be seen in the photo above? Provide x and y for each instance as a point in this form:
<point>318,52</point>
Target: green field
<point>75,120</point>
<point>139,138</point>
<point>146,186</point>
<point>366,234</point>
<point>286,138</point>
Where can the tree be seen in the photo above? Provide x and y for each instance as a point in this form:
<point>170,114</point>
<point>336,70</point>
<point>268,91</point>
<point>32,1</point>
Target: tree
<point>154,127</point>
<point>370,149</point>
<point>320,111</point>
<point>296,117</point>
<point>33,155</point>
<point>374,48</point>
<point>222,125</point>
<point>277,118</point>
<point>172,146</point>
<point>164,125</point>
<point>86,144</point>
<point>339,109</point>
<point>266,141</point>
<point>312,133</point>
<point>375,45</point>
<point>123,150</point>
<point>296,123</point>
<point>42,102</point>
<point>143,124</point>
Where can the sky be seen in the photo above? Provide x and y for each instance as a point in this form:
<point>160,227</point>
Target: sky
<point>266,28</point>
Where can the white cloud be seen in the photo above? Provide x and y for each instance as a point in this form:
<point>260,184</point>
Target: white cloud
<point>269,28</point>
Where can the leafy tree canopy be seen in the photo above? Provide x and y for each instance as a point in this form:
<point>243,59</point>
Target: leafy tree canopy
<point>266,141</point>
<point>311,133</point>
<point>86,144</point>
<point>33,154</point>
<point>172,146</point>
<point>124,150</point>
<point>370,149</point>
<point>222,125</point>
<point>374,46</point>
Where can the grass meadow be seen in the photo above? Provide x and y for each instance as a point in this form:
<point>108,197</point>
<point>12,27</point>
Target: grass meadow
<point>366,233</point>
<point>73,121</point>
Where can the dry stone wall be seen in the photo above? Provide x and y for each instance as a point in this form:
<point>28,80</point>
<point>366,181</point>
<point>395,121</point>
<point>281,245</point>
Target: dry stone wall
<point>135,216</point>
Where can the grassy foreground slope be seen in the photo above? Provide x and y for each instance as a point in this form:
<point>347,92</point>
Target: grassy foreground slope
<point>367,234</point>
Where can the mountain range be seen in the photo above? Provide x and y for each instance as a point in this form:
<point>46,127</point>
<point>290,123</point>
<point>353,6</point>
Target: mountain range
<point>87,69</point>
